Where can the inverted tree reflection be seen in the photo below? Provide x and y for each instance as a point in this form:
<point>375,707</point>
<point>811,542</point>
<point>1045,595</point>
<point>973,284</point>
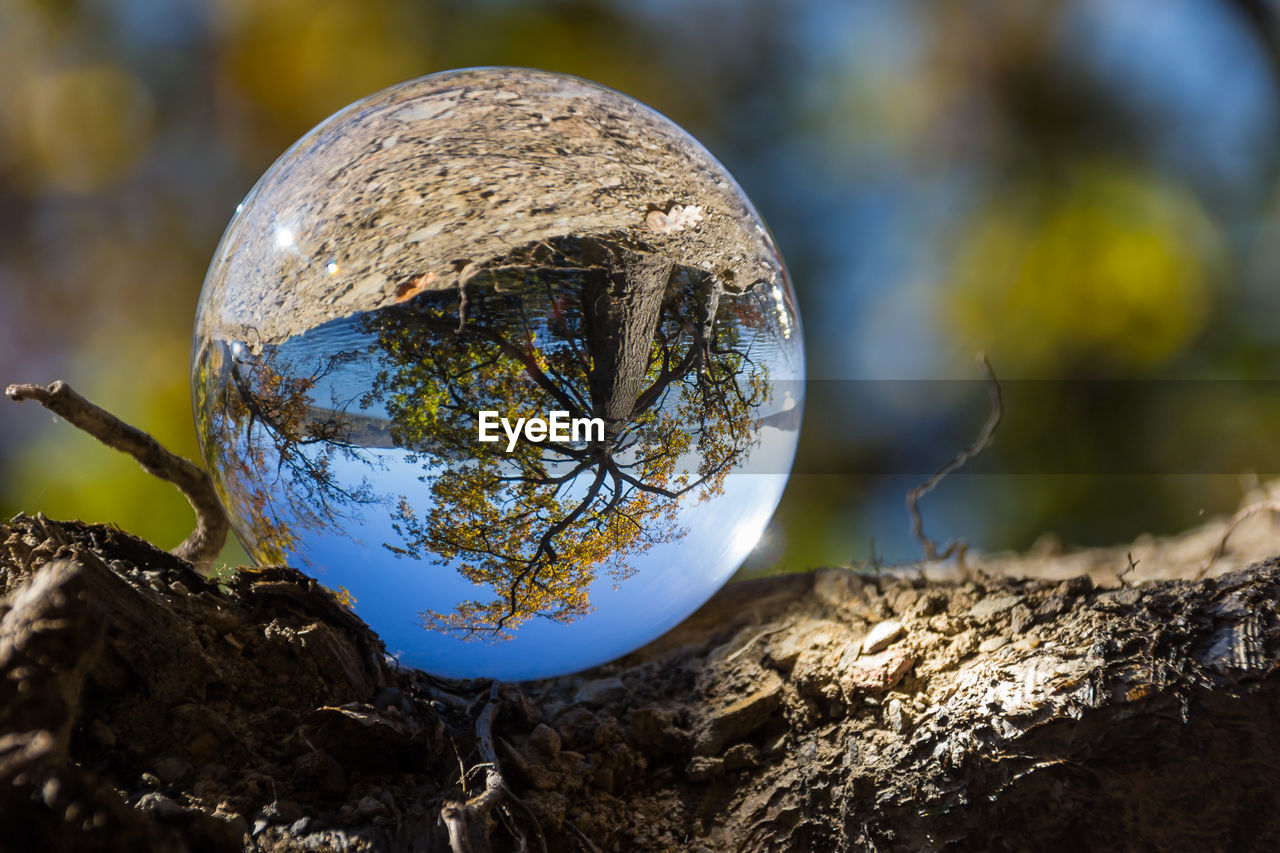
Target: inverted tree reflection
<point>593,328</point>
<point>276,447</point>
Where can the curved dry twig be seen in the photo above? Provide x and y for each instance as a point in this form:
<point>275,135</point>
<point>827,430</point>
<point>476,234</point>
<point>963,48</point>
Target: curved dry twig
<point>210,533</point>
<point>930,547</point>
<point>1248,512</point>
<point>459,817</point>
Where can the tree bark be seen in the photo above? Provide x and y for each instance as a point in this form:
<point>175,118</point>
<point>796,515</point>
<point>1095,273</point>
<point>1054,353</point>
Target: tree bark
<point>145,707</point>
<point>620,312</point>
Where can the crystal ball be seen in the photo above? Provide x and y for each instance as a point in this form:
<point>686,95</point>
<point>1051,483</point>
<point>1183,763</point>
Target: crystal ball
<point>508,362</point>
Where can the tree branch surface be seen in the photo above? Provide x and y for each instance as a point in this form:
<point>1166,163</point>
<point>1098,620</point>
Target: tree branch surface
<point>204,543</point>
<point>1044,700</point>
<point>149,708</point>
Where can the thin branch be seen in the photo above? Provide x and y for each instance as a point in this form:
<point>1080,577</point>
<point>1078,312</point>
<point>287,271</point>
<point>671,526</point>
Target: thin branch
<point>1248,512</point>
<point>546,547</point>
<point>533,818</point>
<point>459,817</point>
<point>582,837</point>
<point>207,539</point>
<point>1124,573</point>
<point>979,444</point>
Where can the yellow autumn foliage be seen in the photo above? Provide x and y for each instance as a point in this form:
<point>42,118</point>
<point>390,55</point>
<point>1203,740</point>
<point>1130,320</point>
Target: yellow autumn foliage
<point>1110,271</point>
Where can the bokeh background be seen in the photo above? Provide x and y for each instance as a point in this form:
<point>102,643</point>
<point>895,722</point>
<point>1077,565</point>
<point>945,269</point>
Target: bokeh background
<point>1086,190</point>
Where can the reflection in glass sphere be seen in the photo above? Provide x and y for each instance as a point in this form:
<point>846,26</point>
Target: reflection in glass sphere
<point>522,244</point>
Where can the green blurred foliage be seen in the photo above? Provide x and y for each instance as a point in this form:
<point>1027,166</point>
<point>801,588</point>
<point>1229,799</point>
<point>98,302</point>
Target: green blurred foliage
<point>1108,272</point>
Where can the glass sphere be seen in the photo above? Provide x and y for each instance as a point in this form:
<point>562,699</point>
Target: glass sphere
<point>507,361</point>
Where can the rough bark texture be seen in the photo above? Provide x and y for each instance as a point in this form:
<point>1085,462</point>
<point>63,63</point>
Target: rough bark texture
<point>145,707</point>
<point>423,187</point>
<point>620,313</point>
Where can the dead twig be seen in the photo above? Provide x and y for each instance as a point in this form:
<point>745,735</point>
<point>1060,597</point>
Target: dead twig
<point>207,539</point>
<point>1124,573</point>
<point>875,562</point>
<point>460,817</point>
<point>1248,512</point>
<point>533,818</point>
<point>582,837</point>
<point>522,844</point>
<point>930,547</point>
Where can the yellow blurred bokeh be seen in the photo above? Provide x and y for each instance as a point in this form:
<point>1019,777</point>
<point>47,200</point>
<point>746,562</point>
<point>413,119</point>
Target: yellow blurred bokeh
<point>1109,271</point>
<point>82,128</point>
<point>293,62</point>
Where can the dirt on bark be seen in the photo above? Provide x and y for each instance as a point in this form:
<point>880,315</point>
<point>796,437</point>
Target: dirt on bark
<point>145,707</point>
